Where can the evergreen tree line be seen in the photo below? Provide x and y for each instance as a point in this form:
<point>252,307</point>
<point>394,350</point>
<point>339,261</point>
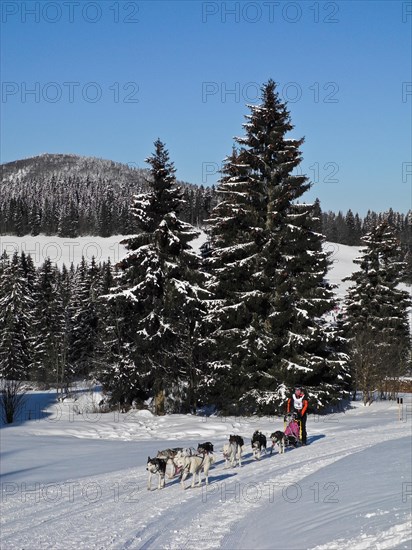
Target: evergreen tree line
<point>350,228</point>
<point>236,329</point>
<point>375,318</point>
<point>72,205</point>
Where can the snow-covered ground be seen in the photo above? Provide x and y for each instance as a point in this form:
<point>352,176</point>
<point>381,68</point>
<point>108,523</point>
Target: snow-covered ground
<point>63,250</point>
<point>342,257</point>
<point>75,479</point>
<point>72,479</point>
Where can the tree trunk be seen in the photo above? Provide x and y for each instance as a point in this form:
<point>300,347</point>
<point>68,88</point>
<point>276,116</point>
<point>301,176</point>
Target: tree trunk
<point>160,402</point>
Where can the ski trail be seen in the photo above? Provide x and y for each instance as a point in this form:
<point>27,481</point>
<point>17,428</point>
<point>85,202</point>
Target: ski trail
<point>115,511</point>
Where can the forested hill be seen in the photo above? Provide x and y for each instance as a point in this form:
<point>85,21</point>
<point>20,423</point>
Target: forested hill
<point>69,195</point>
<point>58,165</point>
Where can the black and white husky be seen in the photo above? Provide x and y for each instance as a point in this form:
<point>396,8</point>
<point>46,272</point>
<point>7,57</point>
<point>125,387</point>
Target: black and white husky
<point>278,438</point>
<point>205,448</point>
<point>194,465</point>
<point>232,451</point>
<point>282,440</point>
<point>156,466</point>
<point>258,444</point>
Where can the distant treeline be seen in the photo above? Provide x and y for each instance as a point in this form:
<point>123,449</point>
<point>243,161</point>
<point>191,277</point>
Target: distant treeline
<point>74,207</point>
<point>349,228</point>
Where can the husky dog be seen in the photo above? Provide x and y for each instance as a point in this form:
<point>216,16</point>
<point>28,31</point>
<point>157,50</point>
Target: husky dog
<point>232,451</point>
<point>168,453</point>
<point>181,453</point>
<point>282,440</point>
<point>194,465</point>
<point>189,451</point>
<point>156,466</point>
<point>278,438</point>
<point>205,448</point>
<point>258,444</point>
<point>236,439</point>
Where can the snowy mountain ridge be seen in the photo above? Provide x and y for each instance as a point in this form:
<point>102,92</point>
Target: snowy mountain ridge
<point>48,165</point>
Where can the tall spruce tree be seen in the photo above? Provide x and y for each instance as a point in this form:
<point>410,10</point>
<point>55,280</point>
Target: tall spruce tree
<point>377,313</point>
<point>271,293</point>
<point>157,300</point>
<point>83,338</point>
<point>48,326</point>
<point>16,321</point>
<point>350,237</point>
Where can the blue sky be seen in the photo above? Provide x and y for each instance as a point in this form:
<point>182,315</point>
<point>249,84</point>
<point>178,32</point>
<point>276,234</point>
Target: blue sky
<point>106,79</point>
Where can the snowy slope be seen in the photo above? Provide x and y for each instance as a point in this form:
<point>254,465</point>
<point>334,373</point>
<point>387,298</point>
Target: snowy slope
<point>342,257</point>
<point>74,480</point>
<point>63,250</point>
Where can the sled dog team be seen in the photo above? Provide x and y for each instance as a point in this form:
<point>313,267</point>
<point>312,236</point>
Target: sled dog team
<point>182,462</point>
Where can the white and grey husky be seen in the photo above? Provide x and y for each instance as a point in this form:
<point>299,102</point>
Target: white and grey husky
<point>194,465</point>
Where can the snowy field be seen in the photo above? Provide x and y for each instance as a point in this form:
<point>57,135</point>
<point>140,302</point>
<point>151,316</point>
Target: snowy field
<point>72,479</point>
<point>62,250</point>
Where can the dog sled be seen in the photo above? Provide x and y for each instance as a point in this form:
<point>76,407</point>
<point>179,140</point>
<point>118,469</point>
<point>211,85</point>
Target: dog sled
<point>290,437</point>
<point>293,429</point>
